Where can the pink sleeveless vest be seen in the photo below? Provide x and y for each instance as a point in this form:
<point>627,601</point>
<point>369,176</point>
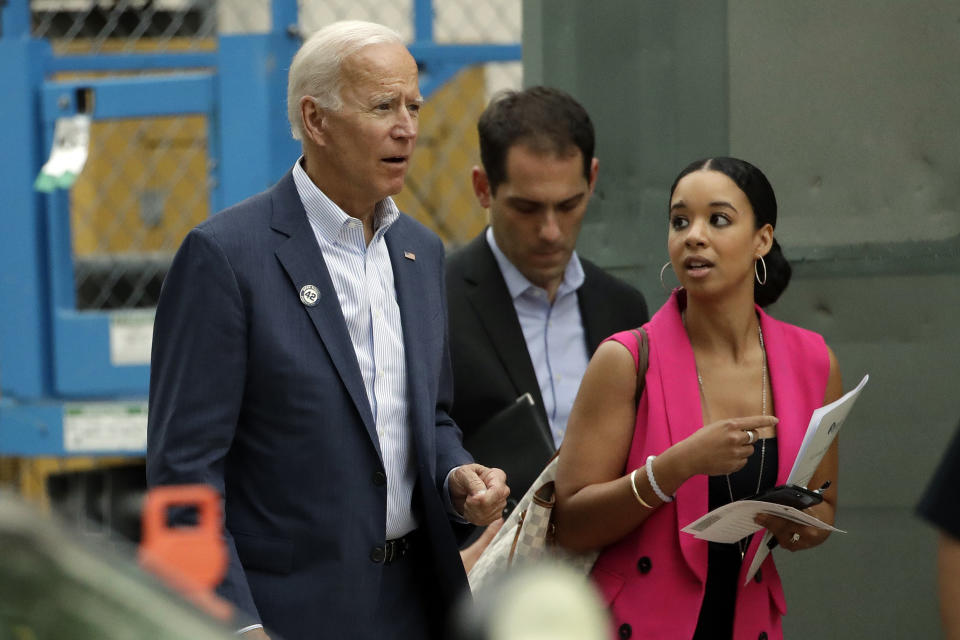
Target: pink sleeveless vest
<point>654,578</point>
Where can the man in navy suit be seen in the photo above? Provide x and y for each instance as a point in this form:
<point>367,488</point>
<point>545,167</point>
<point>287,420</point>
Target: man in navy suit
<point>301,367</point>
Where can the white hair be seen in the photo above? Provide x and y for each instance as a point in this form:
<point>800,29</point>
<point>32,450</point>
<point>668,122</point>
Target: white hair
<point>316,69</point>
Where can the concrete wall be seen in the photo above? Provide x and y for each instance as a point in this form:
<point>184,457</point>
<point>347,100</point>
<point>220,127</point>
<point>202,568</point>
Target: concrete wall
<point>851,109</point>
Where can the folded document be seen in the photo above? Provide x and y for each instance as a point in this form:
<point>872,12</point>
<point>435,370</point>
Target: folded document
<point>735,521</point>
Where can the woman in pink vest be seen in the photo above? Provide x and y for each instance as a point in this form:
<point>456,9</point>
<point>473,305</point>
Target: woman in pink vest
<point>728,393</point>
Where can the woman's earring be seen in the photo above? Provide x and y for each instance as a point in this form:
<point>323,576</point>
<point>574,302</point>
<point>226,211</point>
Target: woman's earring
<point>662,283</point>
<point>756,271</point>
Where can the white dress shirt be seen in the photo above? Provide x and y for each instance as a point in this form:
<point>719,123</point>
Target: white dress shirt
<point>363,278</point>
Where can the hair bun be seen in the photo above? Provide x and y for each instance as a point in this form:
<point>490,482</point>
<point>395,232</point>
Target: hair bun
<point>778,277</point>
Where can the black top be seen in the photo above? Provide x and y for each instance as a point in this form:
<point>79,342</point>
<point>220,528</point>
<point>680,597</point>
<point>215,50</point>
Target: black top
<point>939,504</point>
<point>724,560</point>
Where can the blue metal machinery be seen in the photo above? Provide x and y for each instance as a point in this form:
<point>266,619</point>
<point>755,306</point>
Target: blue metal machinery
<point>61,392</point>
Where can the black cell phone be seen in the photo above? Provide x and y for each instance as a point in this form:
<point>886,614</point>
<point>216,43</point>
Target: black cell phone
<point>791,496</point>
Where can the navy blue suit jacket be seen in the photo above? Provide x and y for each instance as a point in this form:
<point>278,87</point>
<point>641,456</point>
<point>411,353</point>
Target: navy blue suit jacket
<point>261,396</point>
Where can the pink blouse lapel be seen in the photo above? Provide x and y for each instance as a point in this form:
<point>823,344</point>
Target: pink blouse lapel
<point>787,401</point>
<point>683,415</point>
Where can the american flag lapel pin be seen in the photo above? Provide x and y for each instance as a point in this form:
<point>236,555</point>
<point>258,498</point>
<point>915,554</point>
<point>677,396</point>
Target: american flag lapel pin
<point>410,255</point>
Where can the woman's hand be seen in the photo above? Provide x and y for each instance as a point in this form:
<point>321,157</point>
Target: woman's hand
<point>722,447</point>
<point>793,536</point>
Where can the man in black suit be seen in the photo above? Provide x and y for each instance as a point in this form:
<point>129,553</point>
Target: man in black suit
<point>526,312</point>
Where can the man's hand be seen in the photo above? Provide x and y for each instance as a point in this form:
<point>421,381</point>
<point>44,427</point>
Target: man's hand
<point>478,493</point>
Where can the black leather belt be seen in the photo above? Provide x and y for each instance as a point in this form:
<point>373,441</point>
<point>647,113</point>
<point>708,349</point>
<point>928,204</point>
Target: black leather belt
<point>398,548</point>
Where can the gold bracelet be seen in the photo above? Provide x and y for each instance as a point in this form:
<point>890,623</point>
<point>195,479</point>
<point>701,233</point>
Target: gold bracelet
<point>633,485</point>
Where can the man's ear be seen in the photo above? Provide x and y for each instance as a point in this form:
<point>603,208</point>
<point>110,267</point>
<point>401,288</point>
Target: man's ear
<point>594,170</point>
<point>481,186</point>
<point>312,119</point>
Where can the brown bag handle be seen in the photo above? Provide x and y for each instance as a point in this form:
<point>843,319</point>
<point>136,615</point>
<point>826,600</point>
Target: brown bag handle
<point>545,495</point>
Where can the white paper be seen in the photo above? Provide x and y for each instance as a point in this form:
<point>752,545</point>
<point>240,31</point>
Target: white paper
<point>735,521</point>
<point>815,444</point>
<point>762,552</point>
<point>817,440</point>
<point>68,154</point>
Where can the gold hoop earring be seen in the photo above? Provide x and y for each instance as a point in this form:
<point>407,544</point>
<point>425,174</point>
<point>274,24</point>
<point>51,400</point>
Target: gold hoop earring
<point>756,272</point>
<point>662,283</point>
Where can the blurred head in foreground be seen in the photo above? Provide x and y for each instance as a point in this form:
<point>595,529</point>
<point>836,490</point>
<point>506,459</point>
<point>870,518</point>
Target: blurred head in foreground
<point>537,602</point>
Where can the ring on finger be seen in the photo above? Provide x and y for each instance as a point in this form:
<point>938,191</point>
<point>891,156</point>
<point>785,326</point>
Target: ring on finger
<point>752,435</point>
<point>795,538</point>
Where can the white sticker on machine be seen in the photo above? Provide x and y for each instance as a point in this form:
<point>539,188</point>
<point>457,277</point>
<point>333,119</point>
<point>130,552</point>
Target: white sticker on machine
<point>131,334</point>
<point>105,426</point>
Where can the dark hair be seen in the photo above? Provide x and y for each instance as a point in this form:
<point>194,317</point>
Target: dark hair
<point>757,188</point>
<point>545,119</point>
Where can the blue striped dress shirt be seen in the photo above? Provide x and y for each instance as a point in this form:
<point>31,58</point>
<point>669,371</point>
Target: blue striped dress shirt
<point>363,278</point>
<point>554,335</point>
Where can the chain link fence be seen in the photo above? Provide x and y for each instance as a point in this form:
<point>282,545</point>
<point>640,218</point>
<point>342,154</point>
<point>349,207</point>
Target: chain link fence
<point>145,183</point>
<point>146,180</point>
<point>124,26</point>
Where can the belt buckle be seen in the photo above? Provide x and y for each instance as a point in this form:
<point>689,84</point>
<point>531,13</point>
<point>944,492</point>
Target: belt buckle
<point>389,550</point>
<point>395,549</point>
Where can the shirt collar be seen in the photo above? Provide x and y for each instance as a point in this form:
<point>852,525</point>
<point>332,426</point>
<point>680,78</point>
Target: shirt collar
<point>327,218</point>
<point>517,283</point>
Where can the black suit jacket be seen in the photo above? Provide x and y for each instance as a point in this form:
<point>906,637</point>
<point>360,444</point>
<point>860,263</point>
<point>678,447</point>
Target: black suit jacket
<point>491,364</point>
<point>258,393</point>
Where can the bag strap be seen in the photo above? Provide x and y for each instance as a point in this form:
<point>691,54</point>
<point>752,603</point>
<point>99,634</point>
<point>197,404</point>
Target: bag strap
<point>643,356</point>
